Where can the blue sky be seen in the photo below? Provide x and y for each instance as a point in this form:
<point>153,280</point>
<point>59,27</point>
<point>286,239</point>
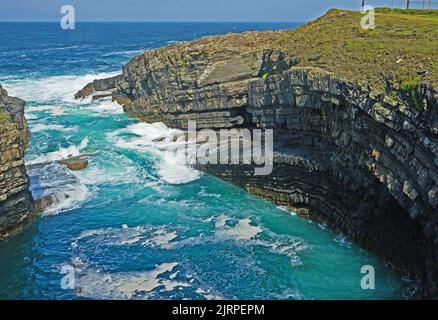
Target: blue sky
<point>188,10</point>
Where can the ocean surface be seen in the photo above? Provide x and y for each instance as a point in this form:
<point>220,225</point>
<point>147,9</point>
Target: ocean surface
<point>135,225</point>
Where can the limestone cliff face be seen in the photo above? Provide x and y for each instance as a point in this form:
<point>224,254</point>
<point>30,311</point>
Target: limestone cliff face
<point>364,161</point>
<point>16,203</point>
<point>205,80</point>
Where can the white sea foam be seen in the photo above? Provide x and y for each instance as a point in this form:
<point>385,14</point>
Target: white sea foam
<point>171,167</point>
<point>115,236</point>
<point>98,173</point>
<point>58,92</point>
<point>286,209</point>
<point>68,191</point>
<point>204,193</point>
<point>290,249</point>
<point>207,294</point>
<point>243,230</point>
<point>30,116</point>
<point>162,238</point>
<point>54,110</point>
<point>5,77</point>
<point>61,153</point>
<point>150,236</point>
<point>105,108</point>
<point>53,88</point>
<point>221,221</point>
<point>157,186</point>
<point>124,53</point>
<point>288,294</point>
<point>39,127</point>
<point>68,197</point>
<point>94,283</point>
<point>343,241</point>
<point>56,180</point>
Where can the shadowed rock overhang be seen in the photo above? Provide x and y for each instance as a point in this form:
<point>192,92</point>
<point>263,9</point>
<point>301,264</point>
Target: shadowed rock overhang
<point>356,146</point>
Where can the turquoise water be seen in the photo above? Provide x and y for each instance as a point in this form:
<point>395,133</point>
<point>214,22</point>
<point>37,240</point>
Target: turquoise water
<point>135,225</point>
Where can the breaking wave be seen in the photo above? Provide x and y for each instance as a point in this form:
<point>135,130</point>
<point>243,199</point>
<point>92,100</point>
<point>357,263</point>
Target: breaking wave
<point>60,154</point>
<point>142,137</point>
<point>54,89</point>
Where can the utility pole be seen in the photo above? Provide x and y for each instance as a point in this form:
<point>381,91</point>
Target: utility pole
<point>363,4</point>
<point>407,4</point>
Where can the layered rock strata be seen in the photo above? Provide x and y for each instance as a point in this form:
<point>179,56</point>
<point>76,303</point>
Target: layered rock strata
<point>362,160</point>
<point>16,202</point>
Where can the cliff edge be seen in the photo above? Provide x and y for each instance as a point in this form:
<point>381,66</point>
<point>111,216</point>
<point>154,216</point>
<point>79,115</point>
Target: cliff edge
<point>354,114</point>
<point>16,202</point>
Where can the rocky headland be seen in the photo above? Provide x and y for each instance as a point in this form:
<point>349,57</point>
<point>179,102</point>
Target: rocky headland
<point>17,205</point>
<point>354,114</point>
<point>16,202</point>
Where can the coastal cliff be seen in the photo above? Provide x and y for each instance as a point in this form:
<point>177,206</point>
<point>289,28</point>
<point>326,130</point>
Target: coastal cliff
<point>354,114</point>
<point>16,202</point>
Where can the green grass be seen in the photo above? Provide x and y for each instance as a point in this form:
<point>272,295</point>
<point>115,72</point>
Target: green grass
<point>4,118</point>
<point>410,86</point>
<point>403,44</point>
<point>431,14</point>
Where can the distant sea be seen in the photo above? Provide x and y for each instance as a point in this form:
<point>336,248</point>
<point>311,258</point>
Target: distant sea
<point>135,225</point>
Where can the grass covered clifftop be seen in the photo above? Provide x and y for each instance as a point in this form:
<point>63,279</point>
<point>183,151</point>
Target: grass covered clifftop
<point>394,58</point>
<point>401,51</point>
<point>356,125</point>
<point>4,116</point>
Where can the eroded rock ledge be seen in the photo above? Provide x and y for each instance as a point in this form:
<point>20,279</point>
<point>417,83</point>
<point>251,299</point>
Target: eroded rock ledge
<point>16,202</point>
<point>362,160</point>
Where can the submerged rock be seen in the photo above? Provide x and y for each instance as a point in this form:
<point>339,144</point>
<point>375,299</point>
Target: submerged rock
<point>76,163</point>
<point>44,202</point>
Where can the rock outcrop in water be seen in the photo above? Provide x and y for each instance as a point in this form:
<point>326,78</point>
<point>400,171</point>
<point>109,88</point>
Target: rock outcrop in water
<point>360,158</point>
<point>16,202</point>
<point>99,88</point>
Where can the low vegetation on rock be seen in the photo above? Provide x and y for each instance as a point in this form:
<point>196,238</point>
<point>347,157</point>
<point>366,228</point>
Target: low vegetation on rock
<point>403,45</point>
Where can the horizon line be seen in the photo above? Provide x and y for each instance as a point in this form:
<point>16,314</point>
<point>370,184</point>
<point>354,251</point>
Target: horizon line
<point>145,21</point>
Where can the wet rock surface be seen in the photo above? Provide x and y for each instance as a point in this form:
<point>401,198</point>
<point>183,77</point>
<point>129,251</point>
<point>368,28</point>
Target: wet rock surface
<point>76,163</point>
<point>347,154</point>
<point>44,202</point>
<point>16,202</point>
<point>99,88</point>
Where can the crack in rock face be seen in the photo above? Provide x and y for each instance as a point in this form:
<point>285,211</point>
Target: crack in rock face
<point>346,154</point>
<point>16,202</point>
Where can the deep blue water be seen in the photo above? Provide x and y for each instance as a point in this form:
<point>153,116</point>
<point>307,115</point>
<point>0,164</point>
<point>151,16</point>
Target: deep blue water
<point>134,224</point>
